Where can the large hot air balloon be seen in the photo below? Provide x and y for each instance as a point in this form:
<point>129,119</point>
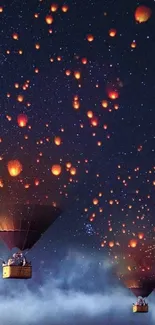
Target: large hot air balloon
<point>21,226</point>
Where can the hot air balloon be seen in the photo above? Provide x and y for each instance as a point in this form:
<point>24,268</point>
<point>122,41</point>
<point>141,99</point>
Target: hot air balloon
<point>21,226</point>
<point>137,272</point>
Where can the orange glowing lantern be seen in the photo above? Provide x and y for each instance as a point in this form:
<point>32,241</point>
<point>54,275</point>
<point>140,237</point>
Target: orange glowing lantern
<point>56,170</point>
<point>133,243</point>
<point>22,120</point>
<point>113,94</point>
<point>49,19</point>
<point>14,168</point>
<point>142,14</point>
<point>20,98</point>
<point>54,7</point>
<point>112,32</point>
<point>57,141</point>
<point>64,8</point>
<point>90,38</point>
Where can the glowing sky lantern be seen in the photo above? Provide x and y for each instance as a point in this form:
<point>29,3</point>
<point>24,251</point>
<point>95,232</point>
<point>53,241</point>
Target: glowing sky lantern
<point>95,201</point>
<point>90,114</point>
<point>142,14</point>
<point>73,171</point>
<point>54,7</point>
<point>64,8</point>
<point>22,120</point>
<point>113,94</point>
<point>20,98</point>
<point>90,38</point>
<point>104,103</point>
<point>133,45</point>
<point>15,36</point>
<point>94,121</point>
<point>14,167</point>
<point>112,32</point>
<point>57,141</point>
<point>77,75</point>
<point>133,243</point>
<point>49,19</point>
<point>84,60</point>
<point>68,72</point>
<point>1,9</point>
<point>56,170</point>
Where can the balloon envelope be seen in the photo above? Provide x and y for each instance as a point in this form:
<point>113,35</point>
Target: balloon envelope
<point>22,225</point>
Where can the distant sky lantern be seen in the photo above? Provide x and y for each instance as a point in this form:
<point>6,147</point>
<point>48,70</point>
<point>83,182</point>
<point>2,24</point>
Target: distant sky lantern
<point>73,171</point>
<point>133,45</point>
<point>1,9</point>
<point>68,165</point>
<point>54,7</point>
<point>140,235</point>
<point>56,170</point>
<point>49,19</point>
<point>90,114</point>
<point>142,14</point>
<point>95,201</point>
<point>133,243</point>
<point>111,244</point>
<point>90,38</point>
<point>94,121</point>
<point>64,8</point>
<point>37,46</point>
<point>84,60</point>
<point>15,36</point>
<point>76,104</point>
<point>104,103</point>
<point>77,75</point>
<point>68,73</point>
<point>14,168</point>
<point>22,120</point>
<point>20,98</point>
<point>112,32</point>
<point>57,141</point>
<point>113,94</point>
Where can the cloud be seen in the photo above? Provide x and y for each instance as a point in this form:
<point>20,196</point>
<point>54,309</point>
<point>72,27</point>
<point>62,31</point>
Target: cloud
<point>61,300</point>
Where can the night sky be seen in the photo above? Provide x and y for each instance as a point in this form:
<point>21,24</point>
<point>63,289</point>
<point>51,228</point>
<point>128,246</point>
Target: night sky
<point>77,98</point>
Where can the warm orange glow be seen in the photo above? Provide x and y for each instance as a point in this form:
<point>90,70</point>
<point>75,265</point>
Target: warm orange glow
<point>111,244</point>
<point>104,103</point>
<point>112,32</point>
<point>84,60</point>
<point>133,243</point>
<point>113,94</point>
<point>57,141</point>
<point>20,98</point>
<point>77,75</point>
<point>64,8</point>
<point>54,7</point>
<point>14,167</point>
<point>90,38</point>
<point>142,14</point>
<point>95,201</point>
<point>73,171</point>
<point>90,114</point>
<point>56,170</point>
<point>22,120</point>
<point>49,19</point>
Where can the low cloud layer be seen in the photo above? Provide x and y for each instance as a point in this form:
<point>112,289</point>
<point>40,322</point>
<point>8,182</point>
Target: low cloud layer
<point>70,296</point>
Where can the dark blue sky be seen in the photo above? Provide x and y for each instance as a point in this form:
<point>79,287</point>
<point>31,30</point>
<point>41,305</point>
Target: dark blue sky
<point>73,280</point>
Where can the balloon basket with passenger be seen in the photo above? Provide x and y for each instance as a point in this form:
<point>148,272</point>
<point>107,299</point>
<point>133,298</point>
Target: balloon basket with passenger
<point>22,225</point>
<point>140,306</point>
<point>17,267</point>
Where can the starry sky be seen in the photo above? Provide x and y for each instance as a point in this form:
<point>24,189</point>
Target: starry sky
<point>77,131</point>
